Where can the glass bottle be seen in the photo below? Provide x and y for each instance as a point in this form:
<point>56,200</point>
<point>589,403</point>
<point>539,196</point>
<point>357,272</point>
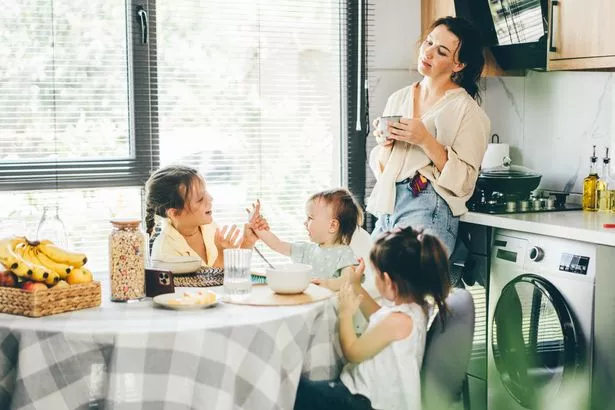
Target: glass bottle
<point>590,202</point>
<point>51,227</point>
<point>127,260</point>
<point>602,185</point>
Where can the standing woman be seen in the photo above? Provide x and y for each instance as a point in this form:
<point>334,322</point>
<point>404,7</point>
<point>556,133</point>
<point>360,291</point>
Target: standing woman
<point>427,168</point>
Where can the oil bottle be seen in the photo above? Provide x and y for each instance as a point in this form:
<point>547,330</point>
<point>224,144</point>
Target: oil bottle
<point>602,186</point>
<point>590,200</point>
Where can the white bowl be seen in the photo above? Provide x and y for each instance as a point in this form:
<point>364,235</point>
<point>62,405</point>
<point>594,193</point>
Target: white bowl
<point>289,279</point>
<point>178,264</point>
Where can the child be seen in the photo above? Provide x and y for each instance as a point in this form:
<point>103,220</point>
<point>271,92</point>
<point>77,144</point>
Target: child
<point>331,218</point>
<point>385,362</point>
<point>179,194</point>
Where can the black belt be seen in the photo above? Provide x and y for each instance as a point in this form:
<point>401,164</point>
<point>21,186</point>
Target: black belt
<point>404,182</point>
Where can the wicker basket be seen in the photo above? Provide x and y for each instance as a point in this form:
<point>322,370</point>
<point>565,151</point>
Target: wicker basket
<point>49,302</point>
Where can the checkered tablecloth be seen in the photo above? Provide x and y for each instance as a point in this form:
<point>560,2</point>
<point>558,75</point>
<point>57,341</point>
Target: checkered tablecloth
<point>135,356</point>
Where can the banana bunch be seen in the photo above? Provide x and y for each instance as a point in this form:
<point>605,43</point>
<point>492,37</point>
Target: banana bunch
<point>39,261</point>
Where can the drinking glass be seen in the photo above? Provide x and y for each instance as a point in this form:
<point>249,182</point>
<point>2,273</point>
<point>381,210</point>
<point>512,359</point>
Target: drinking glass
<point>237,275</point>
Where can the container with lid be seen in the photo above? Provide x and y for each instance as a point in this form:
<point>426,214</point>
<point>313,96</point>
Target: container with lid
<point>127,260</point>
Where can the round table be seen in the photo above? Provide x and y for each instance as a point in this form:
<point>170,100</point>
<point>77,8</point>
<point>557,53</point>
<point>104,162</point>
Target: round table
<point>137,356</point>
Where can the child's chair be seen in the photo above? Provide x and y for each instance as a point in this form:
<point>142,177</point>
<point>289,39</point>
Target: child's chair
<point>447,353</point>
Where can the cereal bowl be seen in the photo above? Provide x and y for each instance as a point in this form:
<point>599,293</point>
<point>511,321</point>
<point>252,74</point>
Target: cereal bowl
<point>290,278</point>
<point>178,264</point>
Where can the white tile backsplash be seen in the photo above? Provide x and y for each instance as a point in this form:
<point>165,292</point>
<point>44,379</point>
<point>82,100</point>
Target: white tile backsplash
<point>397,28</point>
<point>551,120</point>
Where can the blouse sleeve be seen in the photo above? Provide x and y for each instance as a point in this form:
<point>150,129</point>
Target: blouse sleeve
<point>466,154</point>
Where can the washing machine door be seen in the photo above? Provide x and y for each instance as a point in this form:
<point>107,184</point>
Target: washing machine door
<point>536,344</point>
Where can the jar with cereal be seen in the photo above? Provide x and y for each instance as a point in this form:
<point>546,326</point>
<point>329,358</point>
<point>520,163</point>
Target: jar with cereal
<point>127,259</point>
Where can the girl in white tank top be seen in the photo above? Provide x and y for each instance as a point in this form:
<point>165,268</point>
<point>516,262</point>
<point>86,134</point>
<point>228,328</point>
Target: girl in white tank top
<point>384,363</point>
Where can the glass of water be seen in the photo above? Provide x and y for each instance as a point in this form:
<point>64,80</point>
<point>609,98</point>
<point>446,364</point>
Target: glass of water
<point>237,274</point>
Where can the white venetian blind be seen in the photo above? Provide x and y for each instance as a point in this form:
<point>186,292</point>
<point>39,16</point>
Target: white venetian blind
<point>250,92</point>
<point>63,80</point>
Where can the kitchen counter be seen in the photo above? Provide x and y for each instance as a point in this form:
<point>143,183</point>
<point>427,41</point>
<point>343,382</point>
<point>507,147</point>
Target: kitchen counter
<point>580,225</point>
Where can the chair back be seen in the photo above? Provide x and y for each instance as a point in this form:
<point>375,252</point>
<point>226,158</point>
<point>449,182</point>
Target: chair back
<point>447,353</point>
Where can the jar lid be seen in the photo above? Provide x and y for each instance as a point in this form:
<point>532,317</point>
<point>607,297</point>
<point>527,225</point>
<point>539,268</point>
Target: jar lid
<point>125,222</point>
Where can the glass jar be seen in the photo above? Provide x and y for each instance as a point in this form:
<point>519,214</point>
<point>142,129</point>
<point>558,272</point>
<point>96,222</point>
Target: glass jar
<point>127,260</point>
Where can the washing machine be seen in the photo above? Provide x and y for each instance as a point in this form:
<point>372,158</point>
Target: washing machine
<point>541,316</point>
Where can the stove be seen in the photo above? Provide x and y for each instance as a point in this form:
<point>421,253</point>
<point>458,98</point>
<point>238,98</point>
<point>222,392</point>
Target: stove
<point>512,203</point>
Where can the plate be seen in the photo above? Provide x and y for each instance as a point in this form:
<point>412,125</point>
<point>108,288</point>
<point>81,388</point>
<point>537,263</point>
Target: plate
<point>191,303</point>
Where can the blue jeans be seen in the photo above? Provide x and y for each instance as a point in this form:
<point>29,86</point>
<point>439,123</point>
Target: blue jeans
<point>427,210</point>
<point>328,395</point>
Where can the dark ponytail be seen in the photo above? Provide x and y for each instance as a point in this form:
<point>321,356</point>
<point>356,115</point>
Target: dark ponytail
<point>434,262</point>
<point>417,264</point>
<point>470,53</point>
<point>150,219</point>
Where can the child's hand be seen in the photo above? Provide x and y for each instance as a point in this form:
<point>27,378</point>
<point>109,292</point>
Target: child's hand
<point>356,273</point>
<point>249,237</point>
<point>256,220</point>
<point>227,237</point>
<point>349,301</point>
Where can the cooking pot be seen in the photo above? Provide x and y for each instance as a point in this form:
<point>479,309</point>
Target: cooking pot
<point>508,179</point>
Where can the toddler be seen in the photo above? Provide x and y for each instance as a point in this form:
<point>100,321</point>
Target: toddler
<point>331,219</point>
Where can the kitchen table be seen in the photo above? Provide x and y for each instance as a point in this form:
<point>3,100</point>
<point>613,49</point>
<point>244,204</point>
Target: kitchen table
<point>135,356</point>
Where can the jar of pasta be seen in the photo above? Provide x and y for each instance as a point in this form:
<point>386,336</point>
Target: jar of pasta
<point>127,260</point>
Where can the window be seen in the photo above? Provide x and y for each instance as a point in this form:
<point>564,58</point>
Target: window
<point>255,103</point>
<point>253,93</point>
<point>65,100</point>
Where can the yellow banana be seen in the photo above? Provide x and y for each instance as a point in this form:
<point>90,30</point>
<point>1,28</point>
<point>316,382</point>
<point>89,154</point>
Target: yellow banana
<point>39,273</point>
<point>7,256</point>
<point>58,254</point>
<point>60,268</point>
<point>14,261</point>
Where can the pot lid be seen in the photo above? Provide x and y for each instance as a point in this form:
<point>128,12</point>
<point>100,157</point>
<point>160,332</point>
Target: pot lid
<point>508,171</point>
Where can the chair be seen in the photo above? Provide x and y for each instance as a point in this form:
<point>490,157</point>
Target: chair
<point>447,353</point>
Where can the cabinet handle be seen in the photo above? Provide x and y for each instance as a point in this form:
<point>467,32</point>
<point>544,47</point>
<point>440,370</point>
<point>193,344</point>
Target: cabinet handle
<point>143,21</point>
<point>552,48</point>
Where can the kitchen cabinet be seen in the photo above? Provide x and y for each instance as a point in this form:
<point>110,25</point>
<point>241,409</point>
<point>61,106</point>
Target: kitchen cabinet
<point>581,34</point>
<point>434,9</point>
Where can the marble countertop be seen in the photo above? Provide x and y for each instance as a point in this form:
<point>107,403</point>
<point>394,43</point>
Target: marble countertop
<point>580,225</point>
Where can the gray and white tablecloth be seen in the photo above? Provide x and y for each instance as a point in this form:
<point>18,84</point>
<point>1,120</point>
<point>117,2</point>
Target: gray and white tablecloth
<point>135,356</point>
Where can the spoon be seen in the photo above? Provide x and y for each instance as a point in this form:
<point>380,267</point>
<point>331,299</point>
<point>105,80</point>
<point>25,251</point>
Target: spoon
<point>263,257</point>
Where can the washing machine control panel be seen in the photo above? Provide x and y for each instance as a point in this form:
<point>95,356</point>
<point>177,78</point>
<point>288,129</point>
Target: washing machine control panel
<point>574,263</point>
<point>536,253</point>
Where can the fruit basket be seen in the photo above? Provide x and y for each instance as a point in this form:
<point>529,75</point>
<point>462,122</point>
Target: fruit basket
<point>51,301</point>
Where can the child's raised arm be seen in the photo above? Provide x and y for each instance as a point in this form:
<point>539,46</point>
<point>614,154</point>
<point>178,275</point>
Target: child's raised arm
<point>355,274</point>
<point>394,327</point>
<point>270,239</point>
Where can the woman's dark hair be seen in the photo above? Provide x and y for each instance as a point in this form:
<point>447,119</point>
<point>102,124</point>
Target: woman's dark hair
<point>167,188</point>
<point>416,263</point>
<point>470,52</point>
<point>346,210</point>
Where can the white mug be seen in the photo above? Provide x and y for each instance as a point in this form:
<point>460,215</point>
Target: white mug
<point>384,122</point>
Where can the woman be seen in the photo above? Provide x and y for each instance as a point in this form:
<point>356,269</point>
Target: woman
<point>427,168</point>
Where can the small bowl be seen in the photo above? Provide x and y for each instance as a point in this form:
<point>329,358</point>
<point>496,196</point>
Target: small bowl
<point>178,264</point>
<point>289,279</point>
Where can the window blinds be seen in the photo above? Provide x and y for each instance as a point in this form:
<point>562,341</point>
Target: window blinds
<point>250,93</point>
